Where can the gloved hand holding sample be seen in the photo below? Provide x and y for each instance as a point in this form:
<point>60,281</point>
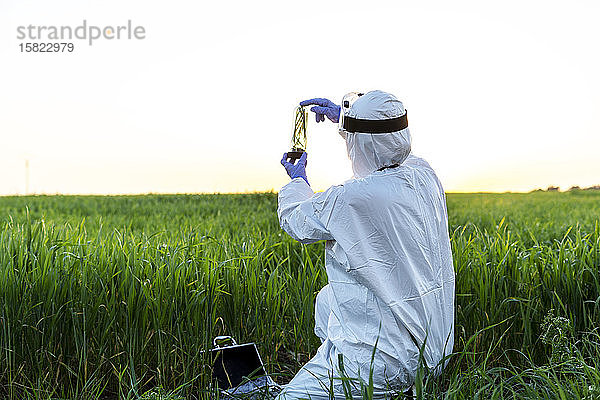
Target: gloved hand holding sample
<point>297,170</point>
<point>323,108</point>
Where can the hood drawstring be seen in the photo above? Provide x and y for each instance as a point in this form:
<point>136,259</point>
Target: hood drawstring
<point>388,166</point>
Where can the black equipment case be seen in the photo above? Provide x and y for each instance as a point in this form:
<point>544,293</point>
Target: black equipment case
<point>238,368</point>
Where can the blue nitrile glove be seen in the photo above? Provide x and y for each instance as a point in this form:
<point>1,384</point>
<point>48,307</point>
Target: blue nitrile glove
<point>323,108</point>
<point>297,170</point>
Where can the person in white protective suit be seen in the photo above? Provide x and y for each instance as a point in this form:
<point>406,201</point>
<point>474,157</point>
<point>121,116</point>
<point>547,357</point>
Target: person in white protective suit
<point>390,294</point>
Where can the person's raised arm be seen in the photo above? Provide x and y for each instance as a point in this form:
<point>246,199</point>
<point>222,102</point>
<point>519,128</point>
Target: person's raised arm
<point>304,215</point>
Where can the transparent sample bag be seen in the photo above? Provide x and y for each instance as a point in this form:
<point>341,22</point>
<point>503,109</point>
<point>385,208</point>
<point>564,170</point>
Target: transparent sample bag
<point>299,140</point>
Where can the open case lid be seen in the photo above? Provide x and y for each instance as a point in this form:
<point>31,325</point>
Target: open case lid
<point>233,363</point>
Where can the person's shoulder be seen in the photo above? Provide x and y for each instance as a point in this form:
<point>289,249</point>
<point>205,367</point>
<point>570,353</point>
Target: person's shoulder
<point>378,189</point>
<point>423,169</point>
<point>413,161</point>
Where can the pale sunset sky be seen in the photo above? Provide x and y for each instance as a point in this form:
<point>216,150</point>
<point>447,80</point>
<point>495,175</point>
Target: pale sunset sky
<point>502,96</point>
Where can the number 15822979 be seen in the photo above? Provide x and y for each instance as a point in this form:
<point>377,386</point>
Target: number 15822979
<point>46,47</point>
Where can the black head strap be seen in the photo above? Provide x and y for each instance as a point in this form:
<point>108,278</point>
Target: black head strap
<point>375,125</point>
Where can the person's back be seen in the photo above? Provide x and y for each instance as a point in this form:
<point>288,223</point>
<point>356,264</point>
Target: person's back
<point>388,261</point>
<point>407,261</point>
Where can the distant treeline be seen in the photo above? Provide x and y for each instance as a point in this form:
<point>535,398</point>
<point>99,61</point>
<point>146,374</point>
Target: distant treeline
<point>572,188</point>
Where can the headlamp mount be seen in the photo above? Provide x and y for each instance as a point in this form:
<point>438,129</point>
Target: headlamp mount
<point>349,124</point>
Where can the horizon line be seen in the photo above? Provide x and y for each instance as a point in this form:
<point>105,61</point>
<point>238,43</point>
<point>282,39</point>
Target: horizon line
<point>272,191</point>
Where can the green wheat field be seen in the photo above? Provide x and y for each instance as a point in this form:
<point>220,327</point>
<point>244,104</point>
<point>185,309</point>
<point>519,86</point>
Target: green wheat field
<point>118,297</point>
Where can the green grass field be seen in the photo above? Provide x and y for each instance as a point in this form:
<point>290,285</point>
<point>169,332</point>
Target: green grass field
<point>111,297</point>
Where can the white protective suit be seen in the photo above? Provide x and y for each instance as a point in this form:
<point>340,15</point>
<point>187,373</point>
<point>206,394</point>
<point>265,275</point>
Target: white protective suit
<point>388,261</point>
